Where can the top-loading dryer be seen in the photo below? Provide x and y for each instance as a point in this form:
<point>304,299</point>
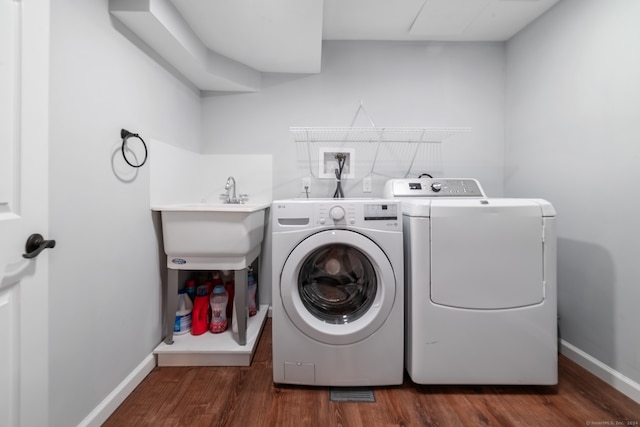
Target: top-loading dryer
<point>480,277</point>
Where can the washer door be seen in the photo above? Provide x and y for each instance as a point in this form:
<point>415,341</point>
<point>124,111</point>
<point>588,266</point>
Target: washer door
<point>337,287</point>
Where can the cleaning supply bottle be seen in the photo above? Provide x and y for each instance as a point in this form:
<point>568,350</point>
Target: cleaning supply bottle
<point>252,287</point>
<point>216,280</point>
<point>202,279</point>
<point>218,301</point>
<point>209,283</point>
<point>182,324</point>
<point>200,317</point>
<point>191,289</point>
<point>228,280</point>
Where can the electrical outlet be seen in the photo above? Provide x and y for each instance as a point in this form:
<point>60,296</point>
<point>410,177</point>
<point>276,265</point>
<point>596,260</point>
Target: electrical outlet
<point>367,185</point>
<point>306,185</point>
<point>328,163</point>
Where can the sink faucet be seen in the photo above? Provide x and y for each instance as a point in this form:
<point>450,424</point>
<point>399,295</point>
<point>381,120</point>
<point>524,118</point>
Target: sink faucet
<point>229,186</point>
<point>230,195</point>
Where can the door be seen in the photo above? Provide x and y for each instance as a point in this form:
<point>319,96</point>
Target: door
<point>337,287</point>
<point>23,210</point>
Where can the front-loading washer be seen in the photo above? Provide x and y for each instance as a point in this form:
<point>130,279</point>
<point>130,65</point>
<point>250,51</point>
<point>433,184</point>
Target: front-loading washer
<point>480,274</point>
<point>338,301</point>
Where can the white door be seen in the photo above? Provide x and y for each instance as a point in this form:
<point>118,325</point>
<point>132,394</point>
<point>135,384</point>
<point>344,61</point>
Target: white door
<point>24,100</point>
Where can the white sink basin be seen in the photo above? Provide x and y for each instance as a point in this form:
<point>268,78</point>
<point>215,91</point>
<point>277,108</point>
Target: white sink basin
<point>200,236</point>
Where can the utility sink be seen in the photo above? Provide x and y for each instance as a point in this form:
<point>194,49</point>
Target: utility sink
<point>217,236</point>
<point>201,236</point>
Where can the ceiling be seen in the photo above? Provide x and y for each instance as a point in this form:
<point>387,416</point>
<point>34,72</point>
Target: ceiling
<point>227,44</point>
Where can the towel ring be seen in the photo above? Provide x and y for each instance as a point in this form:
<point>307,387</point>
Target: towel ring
<point>125,135</point>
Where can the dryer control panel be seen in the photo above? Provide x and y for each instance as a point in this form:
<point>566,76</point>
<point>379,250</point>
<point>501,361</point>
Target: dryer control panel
<point>433,187</point>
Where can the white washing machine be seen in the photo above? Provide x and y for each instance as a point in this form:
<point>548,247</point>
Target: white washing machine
<point>338,303</point>
<point>480,284</point>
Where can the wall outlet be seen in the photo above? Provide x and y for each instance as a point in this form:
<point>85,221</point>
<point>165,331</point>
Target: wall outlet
<point>306,185</point>
<point>367,185</point>
<point>328,163</point>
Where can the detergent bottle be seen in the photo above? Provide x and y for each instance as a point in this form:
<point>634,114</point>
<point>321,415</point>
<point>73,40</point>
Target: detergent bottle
<point>200,316</point>
<point>219,299</point>
<point>229,285</point>
<point>252,287</point>
<point>182,324</point>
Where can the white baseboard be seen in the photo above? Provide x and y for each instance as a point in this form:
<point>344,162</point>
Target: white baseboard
<point>108,406</point>
<point>607,374</point>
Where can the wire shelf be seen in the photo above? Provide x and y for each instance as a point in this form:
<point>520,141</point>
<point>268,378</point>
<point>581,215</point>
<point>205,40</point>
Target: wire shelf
<point>375,134</point>
<point>382,151</point>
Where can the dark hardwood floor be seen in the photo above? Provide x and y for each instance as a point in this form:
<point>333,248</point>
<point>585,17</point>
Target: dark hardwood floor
<point>246,396</point>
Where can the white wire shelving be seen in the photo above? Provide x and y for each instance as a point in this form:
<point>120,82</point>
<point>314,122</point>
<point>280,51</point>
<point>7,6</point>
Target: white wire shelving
<point>369,139</point>
<point>375,134</point>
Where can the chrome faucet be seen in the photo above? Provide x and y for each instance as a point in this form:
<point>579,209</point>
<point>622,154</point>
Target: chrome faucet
<point>230,195</point>
<point>230,185</point>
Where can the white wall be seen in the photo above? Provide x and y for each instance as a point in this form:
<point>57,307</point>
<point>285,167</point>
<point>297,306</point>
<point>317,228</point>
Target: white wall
<point>180,176</point>
<point>401,84</point>
<point>105,294</point>
<point>572,137</point>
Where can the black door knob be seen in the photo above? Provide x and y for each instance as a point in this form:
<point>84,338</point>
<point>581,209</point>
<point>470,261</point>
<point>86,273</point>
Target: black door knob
<point>36,244</point>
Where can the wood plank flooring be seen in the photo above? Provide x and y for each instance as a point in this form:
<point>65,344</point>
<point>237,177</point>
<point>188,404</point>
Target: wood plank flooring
<point>246,396</point>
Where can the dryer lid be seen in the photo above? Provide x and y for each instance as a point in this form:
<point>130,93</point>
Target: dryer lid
<point>487,254</point>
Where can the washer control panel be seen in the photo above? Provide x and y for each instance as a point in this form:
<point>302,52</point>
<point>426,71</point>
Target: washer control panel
<point>372,214</point>
<point>379,214</point>
<point>433,187</point>
<point>336,213</point>
<point>380,211</point>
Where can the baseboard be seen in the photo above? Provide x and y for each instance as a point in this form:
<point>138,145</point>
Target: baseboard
<point>607,374</point>
<point>100,414</point>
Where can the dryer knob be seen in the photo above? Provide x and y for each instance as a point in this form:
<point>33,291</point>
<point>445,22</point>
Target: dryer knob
<point>436,187</point>
<point>336,213</point>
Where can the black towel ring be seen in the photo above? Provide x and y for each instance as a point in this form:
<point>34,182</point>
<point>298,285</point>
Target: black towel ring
<point>125,135</point>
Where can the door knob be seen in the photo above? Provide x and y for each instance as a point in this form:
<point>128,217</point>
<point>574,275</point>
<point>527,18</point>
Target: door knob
<point>36,244</point>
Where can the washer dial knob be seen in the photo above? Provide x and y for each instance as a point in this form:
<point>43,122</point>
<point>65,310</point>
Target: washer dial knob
<point>436,187</point>
<point>336,213</point>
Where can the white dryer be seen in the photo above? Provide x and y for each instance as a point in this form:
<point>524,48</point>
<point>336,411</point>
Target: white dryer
<point>338,304</point>
<point>480,284</point>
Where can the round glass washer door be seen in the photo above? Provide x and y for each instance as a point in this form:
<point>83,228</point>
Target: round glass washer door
<point>337,287</point>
